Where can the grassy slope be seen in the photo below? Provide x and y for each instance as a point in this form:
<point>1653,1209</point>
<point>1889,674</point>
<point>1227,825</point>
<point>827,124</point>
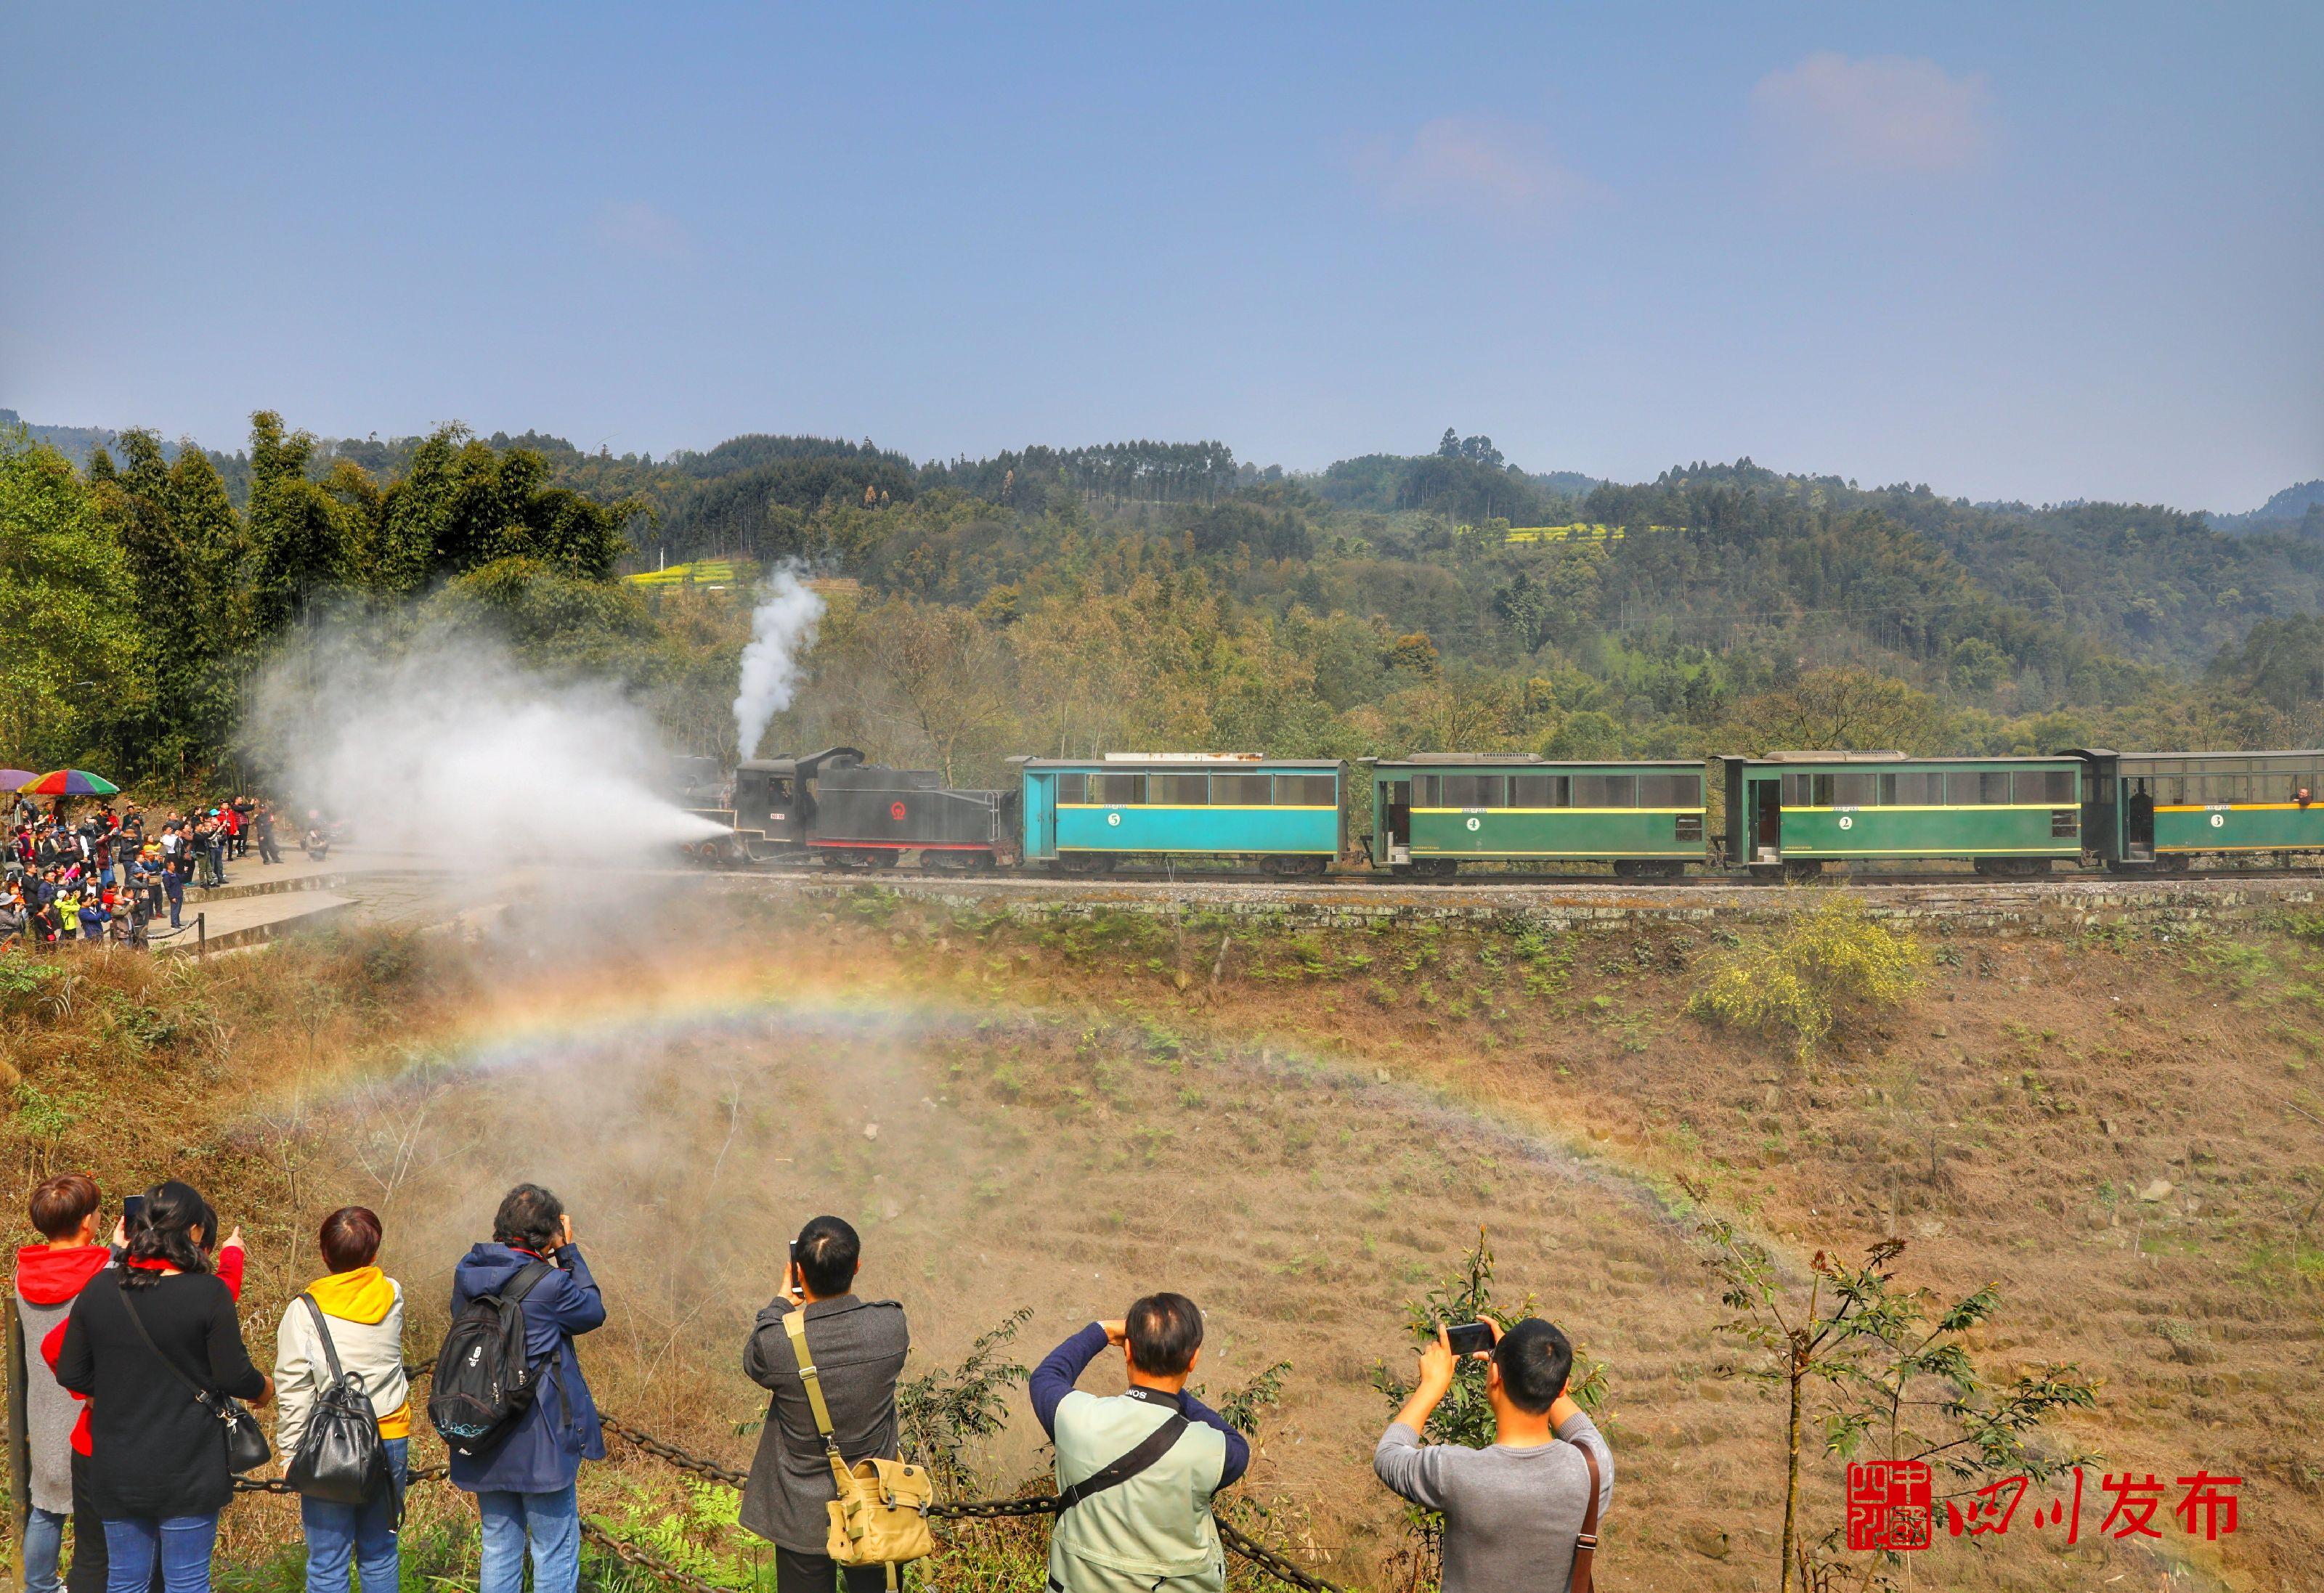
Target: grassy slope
<point>1067,1114</point>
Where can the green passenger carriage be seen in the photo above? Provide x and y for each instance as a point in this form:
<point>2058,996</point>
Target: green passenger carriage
<point>1432,812</point>
<point>2162,809</point>
<point>1794,812</point>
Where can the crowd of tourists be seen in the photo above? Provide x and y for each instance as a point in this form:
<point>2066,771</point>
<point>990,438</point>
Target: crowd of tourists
<point>136,1434</point>
<point>107,876</point>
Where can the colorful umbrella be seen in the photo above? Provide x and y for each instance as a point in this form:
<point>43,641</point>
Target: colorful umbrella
<point>70,782</point>
<point>10,778</point>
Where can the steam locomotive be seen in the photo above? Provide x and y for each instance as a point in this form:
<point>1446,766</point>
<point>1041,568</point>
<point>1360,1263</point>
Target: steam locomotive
<point>834,807</point>
<point>1784,815</point>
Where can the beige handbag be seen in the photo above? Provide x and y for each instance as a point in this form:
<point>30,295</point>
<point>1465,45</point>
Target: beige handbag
<point>882,1515</point>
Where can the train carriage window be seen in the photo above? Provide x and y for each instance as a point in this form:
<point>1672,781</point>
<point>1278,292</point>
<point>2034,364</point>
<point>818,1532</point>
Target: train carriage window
<point>1605,790</point>
<point>1121,790</point>
<point>1242,790</point>
<point>1430,789</point>
<point>1670,790</point>
<point>2038,787</point>
<point>1989,789</point>
<point>2170,790</point>
<point>1855,790</point>
<point>1919,788</point>
<point>1537,790</point>
<point>1070,789</point>
<point>1181,790</point>
<point>1475,791</point>
<point>1306,791</point>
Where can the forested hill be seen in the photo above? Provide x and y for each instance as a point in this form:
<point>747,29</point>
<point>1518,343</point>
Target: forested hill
<point>1164,595</point>
<point>2296,509</point>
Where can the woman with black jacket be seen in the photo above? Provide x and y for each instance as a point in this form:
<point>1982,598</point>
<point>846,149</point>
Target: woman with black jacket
<point>157,1464</point>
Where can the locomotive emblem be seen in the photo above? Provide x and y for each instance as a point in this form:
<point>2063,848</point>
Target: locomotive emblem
<point>895,811</point>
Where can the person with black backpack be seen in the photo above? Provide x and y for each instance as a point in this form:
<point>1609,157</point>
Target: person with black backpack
<point>344,1421</point>
<point>509,1396</point>
<point>156,1346</point>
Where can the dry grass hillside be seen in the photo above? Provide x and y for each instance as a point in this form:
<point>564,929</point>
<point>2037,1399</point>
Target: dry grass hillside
<point>1305,1130</point>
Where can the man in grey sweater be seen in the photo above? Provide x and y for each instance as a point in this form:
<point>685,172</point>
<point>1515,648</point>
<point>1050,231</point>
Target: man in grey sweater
<point>1513,1511</point>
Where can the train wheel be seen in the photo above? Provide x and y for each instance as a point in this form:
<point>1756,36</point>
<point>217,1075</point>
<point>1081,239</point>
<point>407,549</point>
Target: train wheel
<point>1436,867</point>
<point>1086,862</point>
<point>1800,870</point>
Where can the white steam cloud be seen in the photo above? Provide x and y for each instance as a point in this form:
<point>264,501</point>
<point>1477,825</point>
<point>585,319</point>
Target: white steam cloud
<point>451,748</point>
<point>782,629</point>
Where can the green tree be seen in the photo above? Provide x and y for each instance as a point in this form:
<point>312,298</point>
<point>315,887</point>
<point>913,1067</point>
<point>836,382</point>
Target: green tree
<point>1891,1375</point>
<point>67,663</point>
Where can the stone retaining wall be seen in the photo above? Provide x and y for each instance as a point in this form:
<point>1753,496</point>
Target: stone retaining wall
<point>1965,905</point>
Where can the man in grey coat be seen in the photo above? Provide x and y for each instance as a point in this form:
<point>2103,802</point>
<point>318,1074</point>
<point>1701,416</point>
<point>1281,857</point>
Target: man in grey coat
<point>858,1347</point>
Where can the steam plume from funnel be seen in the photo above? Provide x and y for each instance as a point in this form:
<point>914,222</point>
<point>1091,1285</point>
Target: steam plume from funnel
<point>782,629</point>
<point>451,748</point>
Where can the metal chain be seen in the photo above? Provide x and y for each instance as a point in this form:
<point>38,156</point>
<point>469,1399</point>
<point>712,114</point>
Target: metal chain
<point>276,1485</point>
<point>671,1452</point>
<point>647,1561</point>
<point>1267,1559</point>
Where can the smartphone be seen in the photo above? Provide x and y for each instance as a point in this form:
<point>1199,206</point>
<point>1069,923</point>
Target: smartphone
<point>133,1210</point>
<point>1471,1338</point>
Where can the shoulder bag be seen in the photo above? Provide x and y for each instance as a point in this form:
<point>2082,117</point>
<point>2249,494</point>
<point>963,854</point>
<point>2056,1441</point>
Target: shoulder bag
<point>880,1516</point>
<point>340,1457</point>
<point>246,1449</point>
<point>1585,1547</point>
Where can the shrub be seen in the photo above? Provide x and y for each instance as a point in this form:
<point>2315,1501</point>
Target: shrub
<point>1802,980</point>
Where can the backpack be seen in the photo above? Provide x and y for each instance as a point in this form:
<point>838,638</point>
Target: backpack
<point>484,1383</point>
<point>340,1457</point>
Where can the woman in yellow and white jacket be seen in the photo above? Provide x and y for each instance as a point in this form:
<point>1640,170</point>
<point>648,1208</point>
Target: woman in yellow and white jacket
<point>362,1308</point>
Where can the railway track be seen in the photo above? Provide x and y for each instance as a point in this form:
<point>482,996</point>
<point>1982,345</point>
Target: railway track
<point>1358,878</point>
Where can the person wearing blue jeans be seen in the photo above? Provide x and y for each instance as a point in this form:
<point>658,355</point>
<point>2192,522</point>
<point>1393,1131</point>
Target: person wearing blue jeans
<point>524,1483</point>
<point>44,1545</point>
<point>552,1521</point>
<point>347,1323</point>
<point>182,1543</point>
<point>361,1536</point>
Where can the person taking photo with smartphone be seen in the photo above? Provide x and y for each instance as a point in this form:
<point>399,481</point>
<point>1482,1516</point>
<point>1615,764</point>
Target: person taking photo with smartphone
<point>157,1348</point>
<point>1523,1512</point>
<point>857,1349</point>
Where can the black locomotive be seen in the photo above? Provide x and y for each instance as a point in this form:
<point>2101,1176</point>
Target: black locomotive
<point>835,808</point>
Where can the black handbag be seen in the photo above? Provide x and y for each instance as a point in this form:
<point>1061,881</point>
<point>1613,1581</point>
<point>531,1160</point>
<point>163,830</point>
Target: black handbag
<point>340,1457</point>
<point>246,1449</point>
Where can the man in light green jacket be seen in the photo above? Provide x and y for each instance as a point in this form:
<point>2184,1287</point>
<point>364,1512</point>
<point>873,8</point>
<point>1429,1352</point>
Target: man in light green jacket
<point>1138,1466</point>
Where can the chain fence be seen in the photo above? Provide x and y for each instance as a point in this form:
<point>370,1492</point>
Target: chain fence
<point>1237,1541</point>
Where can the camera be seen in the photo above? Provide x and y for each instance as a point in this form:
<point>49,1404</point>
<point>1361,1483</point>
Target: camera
<point>1471,1338</point>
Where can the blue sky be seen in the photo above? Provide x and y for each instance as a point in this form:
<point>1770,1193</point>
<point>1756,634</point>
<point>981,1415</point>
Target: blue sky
<point>2014,250</point>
